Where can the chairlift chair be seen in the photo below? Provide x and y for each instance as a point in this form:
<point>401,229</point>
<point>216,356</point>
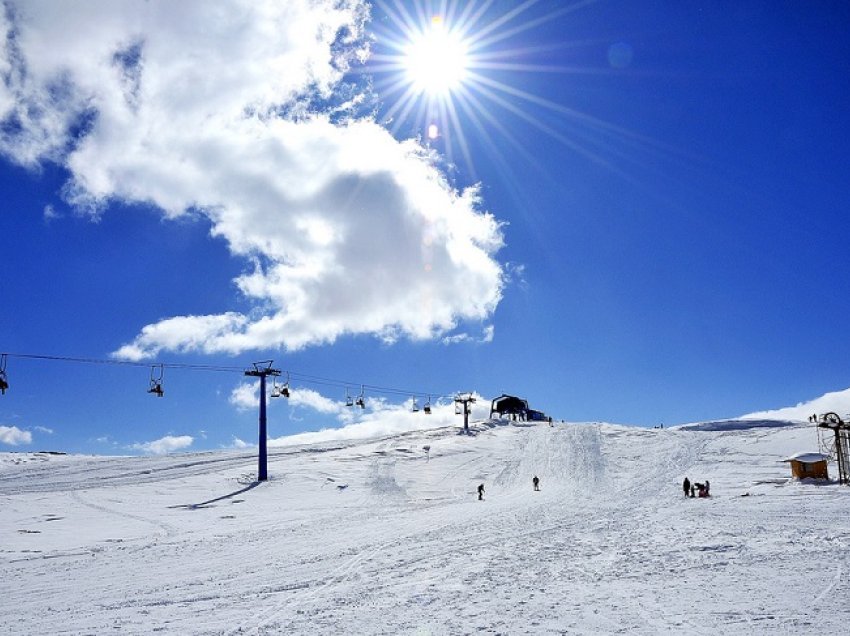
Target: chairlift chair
<point>4,381</point>
<point>275,390</point>
<point>156,381</point>
<point>427,408</point>
<point>415,407</point>
<point>349,401</point>
<point>361,399</point>
<point>284,390</point>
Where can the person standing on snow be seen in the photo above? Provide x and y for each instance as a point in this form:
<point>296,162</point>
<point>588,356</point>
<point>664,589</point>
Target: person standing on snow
<point>686,486</point>
<point>481,492</point>
<point>536,483</point>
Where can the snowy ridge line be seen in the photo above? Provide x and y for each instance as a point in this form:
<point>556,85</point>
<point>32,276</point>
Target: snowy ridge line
<point>736,425</point>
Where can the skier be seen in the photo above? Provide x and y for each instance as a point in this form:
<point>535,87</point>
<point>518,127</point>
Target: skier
<point>481,492</point>
<point>707,485</point>
<point>686,486</point>
<point>536,483</point>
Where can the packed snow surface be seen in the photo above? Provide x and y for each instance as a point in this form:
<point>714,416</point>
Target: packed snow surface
<point>386,537</point>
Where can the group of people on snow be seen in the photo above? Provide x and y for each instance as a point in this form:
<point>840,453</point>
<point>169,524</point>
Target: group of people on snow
<point>690,489</point>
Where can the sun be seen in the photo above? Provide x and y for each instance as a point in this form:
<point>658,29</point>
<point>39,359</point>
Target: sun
<point>436,59</point>
<point>459,81</point>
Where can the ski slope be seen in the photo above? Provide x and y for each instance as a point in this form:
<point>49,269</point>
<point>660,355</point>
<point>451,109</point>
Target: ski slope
<point>382,537</point>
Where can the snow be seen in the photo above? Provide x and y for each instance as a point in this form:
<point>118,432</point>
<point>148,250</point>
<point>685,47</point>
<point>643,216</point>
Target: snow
<point>806,458</point>
<point>383,537</point>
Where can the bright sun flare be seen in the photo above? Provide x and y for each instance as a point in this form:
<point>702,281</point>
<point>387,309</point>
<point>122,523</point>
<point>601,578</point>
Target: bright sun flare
<point>436,59</point>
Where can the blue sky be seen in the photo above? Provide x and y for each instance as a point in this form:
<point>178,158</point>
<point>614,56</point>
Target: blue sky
<point>632,212</point>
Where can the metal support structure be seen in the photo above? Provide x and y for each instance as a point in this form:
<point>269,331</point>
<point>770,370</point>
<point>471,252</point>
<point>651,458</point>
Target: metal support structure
<point>841,430</point>
<point>466,399</point>
<point>262,370</point>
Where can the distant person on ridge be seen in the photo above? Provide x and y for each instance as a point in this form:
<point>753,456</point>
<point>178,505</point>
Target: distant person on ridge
<point>536,483</point>
<point>481,492</point>
<point>686,486</point>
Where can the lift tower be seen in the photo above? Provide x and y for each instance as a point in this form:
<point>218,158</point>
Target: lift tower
<point>464,399</point>
<point>841,430</point>
<point>262,370</point>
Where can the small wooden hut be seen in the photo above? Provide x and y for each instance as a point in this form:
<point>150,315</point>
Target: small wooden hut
<point>808,465</point>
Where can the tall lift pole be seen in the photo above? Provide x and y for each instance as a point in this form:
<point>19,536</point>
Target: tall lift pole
<point>262,370</point>
<point>466,399</point>
<point>841,430</point>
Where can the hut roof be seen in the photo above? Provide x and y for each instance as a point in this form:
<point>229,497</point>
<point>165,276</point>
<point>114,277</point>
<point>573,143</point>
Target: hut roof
<point>511,400</point>
<point>807,458</point>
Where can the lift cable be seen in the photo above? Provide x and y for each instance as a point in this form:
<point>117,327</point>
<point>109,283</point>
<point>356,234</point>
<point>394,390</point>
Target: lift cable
<point>304,378</point>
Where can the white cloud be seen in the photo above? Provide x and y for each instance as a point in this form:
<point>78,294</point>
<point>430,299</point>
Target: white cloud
<point>310,399</point>
<point>835,402</point>
<point>164,445</point>
<point>50,213</point>
<point>383,418</point>
<point>349,230</point>
<point>246,396</point>
<point>13,436</point>
<point>239,444</point>
<point>44,429</point>
<point>487,334</point>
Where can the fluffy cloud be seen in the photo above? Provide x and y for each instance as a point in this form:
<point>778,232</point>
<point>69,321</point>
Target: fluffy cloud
<point>382,418</point>
<point>835,401</point>
<point>164,445</point>
<point>313,400</point>
<point>209,108</point>
<point>13,436</point>
<point>245,396</point>
<point>239,444</point>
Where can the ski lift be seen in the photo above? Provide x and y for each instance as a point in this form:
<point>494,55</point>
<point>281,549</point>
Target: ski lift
<point>4,382</point>
<point>275,389</point>
<point>156,381</point>
<point>284,390</point>
<point>281,390</point>
<point>415,407</point>
<point>349,401</point>
<point>427,408</point>
<point>361,400</point>
<point>458,408</point>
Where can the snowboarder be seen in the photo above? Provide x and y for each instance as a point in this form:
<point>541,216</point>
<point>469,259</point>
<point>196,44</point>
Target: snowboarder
<point>536,483</point>
<point>705,490</point>
<point>686,486</point>
<point>481,492</point>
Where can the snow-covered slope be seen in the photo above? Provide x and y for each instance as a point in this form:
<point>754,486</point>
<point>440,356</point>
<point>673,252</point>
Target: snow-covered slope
<point>384,537</point>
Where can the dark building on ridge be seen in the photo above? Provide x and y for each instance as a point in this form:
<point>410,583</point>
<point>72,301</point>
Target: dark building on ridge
<point>515,408</point>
